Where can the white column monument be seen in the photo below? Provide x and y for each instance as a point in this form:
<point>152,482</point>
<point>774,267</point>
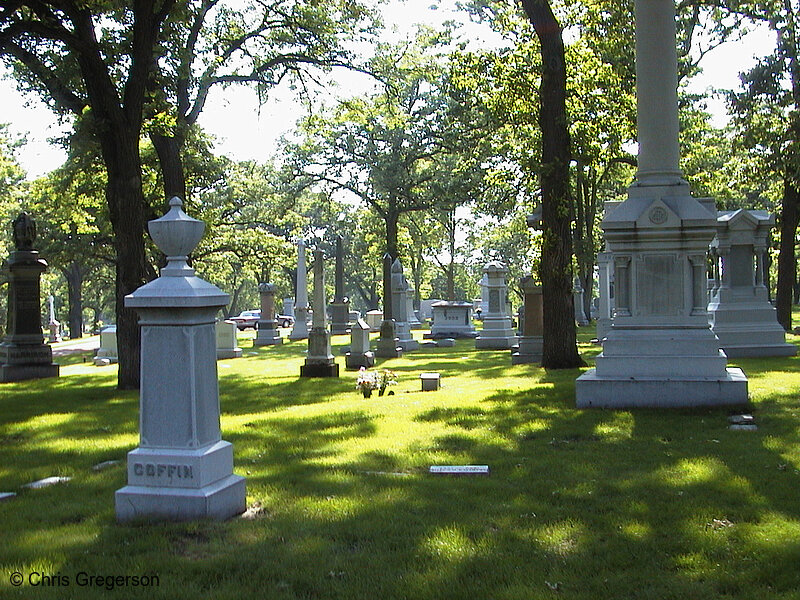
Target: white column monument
<point>300,329</point>
<point>660,351</point>
<point>182,469</point>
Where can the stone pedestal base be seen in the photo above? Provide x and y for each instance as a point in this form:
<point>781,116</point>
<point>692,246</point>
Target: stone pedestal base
<point>181,484</point>
<point>300,329</point>
<point>9,373</point>
<point>319,370</point>
<point>495,343</point>
<point>354,361</point>
<point>497,334</point>
<point>592,391</point>
<point>267,335</point>
<point>221,500</point>
<point>528,351</point>
<point>223,353</point>
<point>388,343</point>
<point>749,329</point>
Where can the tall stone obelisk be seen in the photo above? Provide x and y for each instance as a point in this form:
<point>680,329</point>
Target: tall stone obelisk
<point>340,307</point>
<point>300,329</point>
<point>320,361</point>
<point>660,351</point>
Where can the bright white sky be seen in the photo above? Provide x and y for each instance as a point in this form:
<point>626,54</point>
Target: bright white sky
<point>246,131</point>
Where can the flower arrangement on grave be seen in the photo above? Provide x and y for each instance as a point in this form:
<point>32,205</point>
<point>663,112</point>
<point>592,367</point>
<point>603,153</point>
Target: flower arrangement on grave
<point>367,381</point>
<point>385,379</point>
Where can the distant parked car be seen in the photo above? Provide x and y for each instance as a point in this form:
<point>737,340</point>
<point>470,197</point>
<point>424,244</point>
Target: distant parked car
<point>247,318</point>
<point>284,320</point>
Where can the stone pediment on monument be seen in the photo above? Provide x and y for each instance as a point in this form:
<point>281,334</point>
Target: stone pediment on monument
<point>746,219</point>
<point>667,212</point>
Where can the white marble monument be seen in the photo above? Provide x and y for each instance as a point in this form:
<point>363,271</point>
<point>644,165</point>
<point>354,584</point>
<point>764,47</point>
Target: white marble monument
<point>660,351</point>
<point>577,300</point>
<point>301,308</point>
<point>107,353</point>
<point>182,469</point>
<point>227,343</point>
<point>498,332</point>
<point>451,319</point>
<point>739,309</point>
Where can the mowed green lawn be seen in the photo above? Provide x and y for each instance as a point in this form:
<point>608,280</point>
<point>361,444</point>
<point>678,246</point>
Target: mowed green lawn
<point>579,504</point>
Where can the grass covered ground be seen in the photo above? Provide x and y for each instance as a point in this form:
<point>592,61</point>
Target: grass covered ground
<point>579,504</point>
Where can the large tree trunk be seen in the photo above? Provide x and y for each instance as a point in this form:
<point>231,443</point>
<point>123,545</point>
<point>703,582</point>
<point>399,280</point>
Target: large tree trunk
<point>391,220</point>
<point>127,213</point>
<point>169,156</point>
<point>560,350</point>
<point>787,267</point>
<point>73,273</point>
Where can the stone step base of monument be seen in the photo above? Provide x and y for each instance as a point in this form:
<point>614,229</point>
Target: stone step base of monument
<point>696,366</point>
<point>273,341</point>
<point>408,344</point>
<point>223,354</point>
<point>495,343</point>
<point>353,362</point>
<point>521,358</point>
<point>451,333</point>
<point>220,500</point>
<point>319,370</point>
<point>757,350</point>
<point>9,373</point>
<point>593,391</point>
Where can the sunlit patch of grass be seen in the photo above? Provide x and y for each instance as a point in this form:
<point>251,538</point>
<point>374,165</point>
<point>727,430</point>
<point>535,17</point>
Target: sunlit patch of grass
<point>578,504</point>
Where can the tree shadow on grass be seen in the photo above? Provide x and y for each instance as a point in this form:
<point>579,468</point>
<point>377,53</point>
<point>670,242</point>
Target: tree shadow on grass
<point>579,504</point>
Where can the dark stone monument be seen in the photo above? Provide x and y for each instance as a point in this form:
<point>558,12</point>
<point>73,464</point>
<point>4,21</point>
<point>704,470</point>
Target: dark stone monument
<point>23,353</point>
<point>340,307</point>
<point>388,342</point>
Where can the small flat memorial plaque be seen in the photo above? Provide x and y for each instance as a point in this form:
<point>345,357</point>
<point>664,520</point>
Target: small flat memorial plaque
<point>460,470</point>
<point>46,482</point>
<point>6,496</point>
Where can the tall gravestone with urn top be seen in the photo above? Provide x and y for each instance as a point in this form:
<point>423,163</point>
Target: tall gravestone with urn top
<point>23,353</point>
<point>182,469</point>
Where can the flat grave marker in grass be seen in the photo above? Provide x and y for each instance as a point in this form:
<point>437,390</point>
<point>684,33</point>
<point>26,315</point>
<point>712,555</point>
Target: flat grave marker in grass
<point>46,482</point>
<point>459,470</point>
